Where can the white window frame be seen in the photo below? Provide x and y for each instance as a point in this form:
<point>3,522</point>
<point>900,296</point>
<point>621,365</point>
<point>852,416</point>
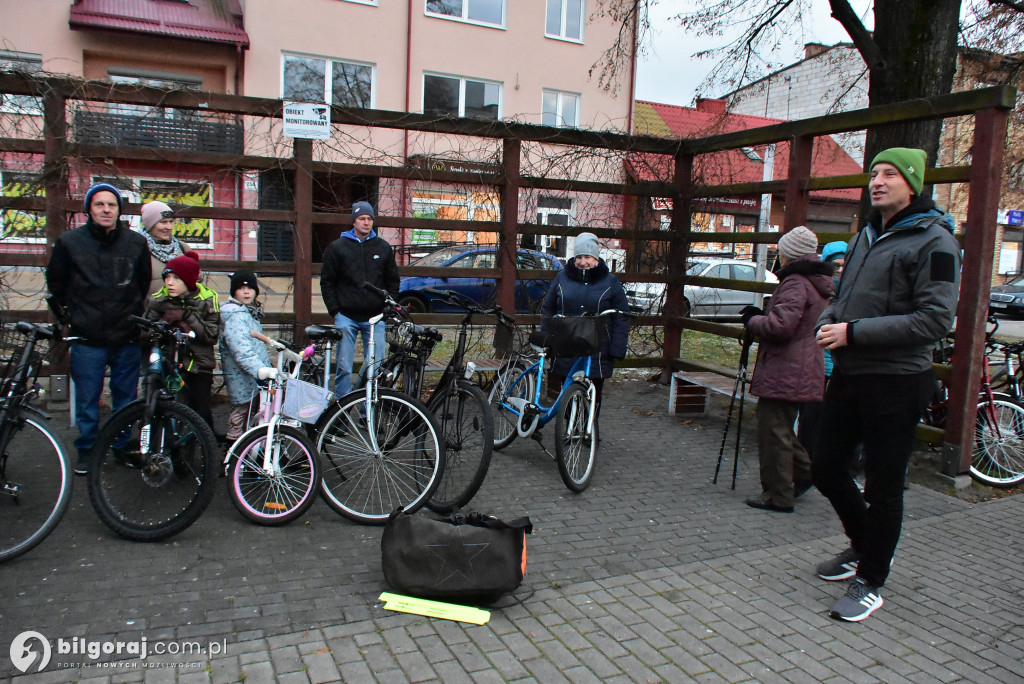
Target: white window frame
<point>21,104</point>
<point>462,92</point>
<point>328,93</point>
<point>559,106</point>
<point>564,7</point>
<point>148,78</point>
<point>465,15</point>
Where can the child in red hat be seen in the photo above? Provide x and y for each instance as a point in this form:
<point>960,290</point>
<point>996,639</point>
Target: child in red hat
<point>194,308</point>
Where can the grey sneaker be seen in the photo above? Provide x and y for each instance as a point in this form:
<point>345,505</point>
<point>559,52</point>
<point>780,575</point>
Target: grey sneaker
<point>860,601</point>
<point>843,566</point>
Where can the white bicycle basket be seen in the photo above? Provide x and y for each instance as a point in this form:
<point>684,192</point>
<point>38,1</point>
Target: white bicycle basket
<point>304,401</point>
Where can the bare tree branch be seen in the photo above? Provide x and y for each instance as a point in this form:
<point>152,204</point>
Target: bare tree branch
<point>866,45</point>
<point>1019,6</point>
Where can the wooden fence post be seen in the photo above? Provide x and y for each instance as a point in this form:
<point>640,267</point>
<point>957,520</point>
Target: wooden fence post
<point>679,252</point>
<point>507,238</point>
<point>55,165</point>
<point>801,151</point>
<point>975,282</point>
<point>303,284</point>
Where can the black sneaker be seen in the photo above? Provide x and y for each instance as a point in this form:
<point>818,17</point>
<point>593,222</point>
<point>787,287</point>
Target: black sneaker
<point>860,601</point>
<point>843,566</point>
<point>82,467</point>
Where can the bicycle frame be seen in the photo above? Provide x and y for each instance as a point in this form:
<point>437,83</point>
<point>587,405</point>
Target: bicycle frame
<point>270,407</point>
<point>534,410</point>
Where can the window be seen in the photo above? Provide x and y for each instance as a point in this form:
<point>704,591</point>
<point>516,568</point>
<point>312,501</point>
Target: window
<point>451,96</point>
<point>564,19</point>
<point>477,11</point>
<point>561,109</point>
<point>743,272</point>
<point>331,81</point>
<point>553,211</point>
<point>22,226</point>
<point>26,63</point>
<point>178,82</point>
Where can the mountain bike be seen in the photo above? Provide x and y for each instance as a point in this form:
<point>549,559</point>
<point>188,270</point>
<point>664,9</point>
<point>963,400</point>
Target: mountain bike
<point>458,403</point>
<point>273,467</point>
<point>574,410</point>
<point>35,471</point>
<point>381,451</point>
<point>153,467</point>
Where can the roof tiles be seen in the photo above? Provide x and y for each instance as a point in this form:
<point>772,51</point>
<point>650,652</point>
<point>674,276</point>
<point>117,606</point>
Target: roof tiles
<point>212,21</point>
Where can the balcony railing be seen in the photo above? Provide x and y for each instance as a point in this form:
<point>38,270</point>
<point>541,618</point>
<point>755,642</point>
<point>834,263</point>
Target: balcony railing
<point>158,128</point>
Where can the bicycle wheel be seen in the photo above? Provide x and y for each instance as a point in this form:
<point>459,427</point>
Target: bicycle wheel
<point>998,458</point>
<point>275,498</point>
<point>575,445</point>
<point>149,493</point>
<point>508,383</point>
<point>468,433</point>
<point>366,484</point>
<point>35,485</point>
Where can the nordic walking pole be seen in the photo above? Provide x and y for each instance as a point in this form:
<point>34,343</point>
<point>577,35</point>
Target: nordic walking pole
<point>728,420</point>
<point>748,339</point>
<point>725,433</point>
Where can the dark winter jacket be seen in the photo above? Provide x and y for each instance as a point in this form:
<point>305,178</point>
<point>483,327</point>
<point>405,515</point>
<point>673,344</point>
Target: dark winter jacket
<point>898,292</point>
<point>790,364</point>
<point>575,292</point>
<point>348,264</point>
<point>201,314</point>
<point>102,279</point>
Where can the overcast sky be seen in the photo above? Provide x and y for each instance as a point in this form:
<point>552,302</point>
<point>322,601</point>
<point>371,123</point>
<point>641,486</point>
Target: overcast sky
<point>668,74</point>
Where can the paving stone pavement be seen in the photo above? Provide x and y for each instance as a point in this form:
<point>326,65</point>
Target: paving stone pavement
<point>653,574</point>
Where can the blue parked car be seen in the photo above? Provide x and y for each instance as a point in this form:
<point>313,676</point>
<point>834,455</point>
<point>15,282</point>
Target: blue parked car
<point>529,293</point>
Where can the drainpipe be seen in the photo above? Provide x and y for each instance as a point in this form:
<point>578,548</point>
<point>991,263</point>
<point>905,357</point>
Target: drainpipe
<point>239,185</point>
<point>405,133</point>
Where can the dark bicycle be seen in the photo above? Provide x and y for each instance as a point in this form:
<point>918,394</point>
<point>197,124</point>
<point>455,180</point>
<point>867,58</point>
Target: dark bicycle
<point>154,465</point>
<point>459,404</point>
<point>35,471</point>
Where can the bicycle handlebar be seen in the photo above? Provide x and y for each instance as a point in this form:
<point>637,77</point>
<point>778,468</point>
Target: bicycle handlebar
<point>164,329</point>
<point>465,303</point>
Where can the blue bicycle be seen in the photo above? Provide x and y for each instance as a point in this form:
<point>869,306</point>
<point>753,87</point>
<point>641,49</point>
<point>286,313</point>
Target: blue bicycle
<point>516,396</point>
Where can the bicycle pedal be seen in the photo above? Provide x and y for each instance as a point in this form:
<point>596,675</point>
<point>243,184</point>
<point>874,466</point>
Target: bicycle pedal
<point>11,489</point>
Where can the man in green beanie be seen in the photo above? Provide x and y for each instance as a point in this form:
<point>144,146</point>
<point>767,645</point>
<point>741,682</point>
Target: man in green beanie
<point>897,298</point>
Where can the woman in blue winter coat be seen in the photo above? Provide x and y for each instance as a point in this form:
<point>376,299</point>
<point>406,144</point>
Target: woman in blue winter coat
<point>586,286</point>
<point>241,355</point>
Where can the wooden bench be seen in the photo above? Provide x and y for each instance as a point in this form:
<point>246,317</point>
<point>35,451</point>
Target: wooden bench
<point>688,390</point>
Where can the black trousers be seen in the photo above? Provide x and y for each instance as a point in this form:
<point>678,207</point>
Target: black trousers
<point>882,412</point>
<point>196,394</point>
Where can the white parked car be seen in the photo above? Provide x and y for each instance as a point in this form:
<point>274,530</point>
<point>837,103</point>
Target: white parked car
<point>704,302</point>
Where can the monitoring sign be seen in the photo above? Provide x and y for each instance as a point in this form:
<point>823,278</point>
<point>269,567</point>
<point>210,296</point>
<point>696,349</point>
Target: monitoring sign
<point>305,120</point>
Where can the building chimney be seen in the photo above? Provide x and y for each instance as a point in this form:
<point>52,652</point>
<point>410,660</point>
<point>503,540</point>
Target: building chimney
<point>711,105</point>
<point>813,49</point>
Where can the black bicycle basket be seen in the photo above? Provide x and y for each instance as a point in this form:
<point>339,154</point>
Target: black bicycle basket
<point>576,335</point>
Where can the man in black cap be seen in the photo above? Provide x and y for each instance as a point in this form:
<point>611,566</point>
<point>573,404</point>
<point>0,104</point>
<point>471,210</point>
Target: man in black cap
<point>100,274</point>
<point>357,257</point>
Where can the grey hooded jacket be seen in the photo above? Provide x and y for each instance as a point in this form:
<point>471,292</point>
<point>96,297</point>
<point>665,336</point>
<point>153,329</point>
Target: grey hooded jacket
<point>898,292</point>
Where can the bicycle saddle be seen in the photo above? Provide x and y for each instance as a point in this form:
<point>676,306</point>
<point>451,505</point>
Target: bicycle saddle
<point>319,332</point>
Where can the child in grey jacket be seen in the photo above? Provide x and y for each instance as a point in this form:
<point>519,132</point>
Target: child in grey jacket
<point>241,355</point>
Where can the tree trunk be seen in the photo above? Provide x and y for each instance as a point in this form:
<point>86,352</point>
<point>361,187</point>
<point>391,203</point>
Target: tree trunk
<point>918,43</point>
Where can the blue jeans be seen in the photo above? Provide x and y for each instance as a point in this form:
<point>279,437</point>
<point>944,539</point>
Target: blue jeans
<point>88,366</point>
<point>347,349</point>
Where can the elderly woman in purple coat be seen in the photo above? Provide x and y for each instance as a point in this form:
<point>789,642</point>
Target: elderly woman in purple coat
<point>790,367</point>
